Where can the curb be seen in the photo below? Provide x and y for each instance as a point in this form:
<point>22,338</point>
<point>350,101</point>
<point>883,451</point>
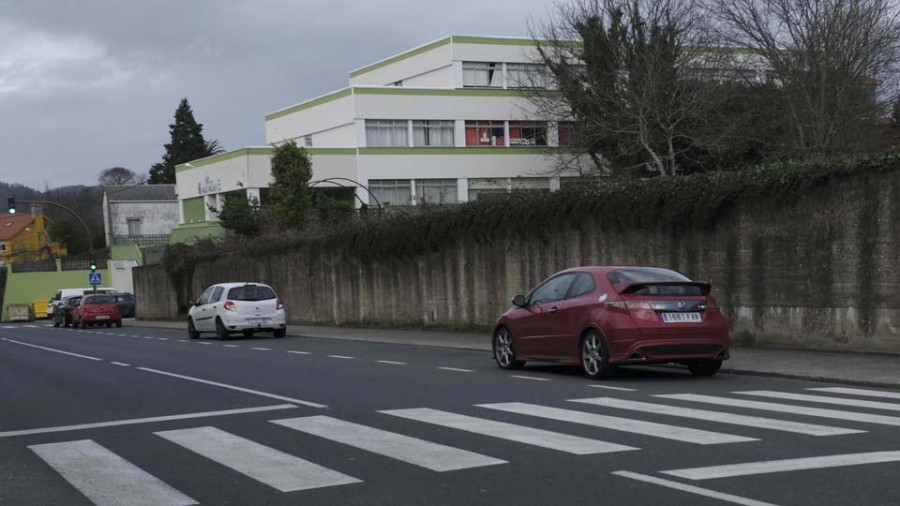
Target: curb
<point>811,377</point>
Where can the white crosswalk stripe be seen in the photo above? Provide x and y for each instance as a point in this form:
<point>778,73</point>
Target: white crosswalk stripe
<point>857,391</point>
<point>105,478</point>
<point>781,466</point>
<point>279,470</point>
<point>433,456</point>
<point>518,433</point>
<point>652,429</point>
<point>821,399</point>
<point>786,408</point>
<point>720,417</point>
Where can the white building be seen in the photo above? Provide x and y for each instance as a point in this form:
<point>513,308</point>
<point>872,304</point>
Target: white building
<point>446,122</point>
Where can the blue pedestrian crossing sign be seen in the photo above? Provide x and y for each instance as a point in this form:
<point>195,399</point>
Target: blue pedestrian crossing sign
<point>95,278</point>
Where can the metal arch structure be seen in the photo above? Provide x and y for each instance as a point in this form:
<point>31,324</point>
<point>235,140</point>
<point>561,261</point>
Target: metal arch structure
<point>87,230</point>
<point>333,180</point>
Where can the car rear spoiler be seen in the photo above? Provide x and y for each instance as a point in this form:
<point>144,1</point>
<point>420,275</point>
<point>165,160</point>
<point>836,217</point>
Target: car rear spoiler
<point>626,288</point>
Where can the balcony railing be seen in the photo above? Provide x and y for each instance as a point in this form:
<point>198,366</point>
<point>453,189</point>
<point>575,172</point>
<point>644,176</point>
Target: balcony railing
<point>142,241</point>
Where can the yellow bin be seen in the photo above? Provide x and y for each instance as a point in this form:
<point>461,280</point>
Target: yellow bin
<point>40,308</point>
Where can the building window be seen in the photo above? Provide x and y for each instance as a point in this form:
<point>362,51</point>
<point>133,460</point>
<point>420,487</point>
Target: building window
<point>565,133</point>
<point>527,133</point>
<point>396,192</point>
<point>307,141</point>
<point>485,133</point>
<point>528,75</point>
<point>482,75</point>
<point>2,246</point>
<point>432,133</point>
<point>386,133</point>
<point>486,188</point>
<point>134,226</point>
<point>436,191</point>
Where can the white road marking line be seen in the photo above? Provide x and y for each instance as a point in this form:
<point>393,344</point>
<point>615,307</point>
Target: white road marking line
<point>720,417</point>
<point>418,452</point>
<point>162,338</point>
<point>456,369</point>
<point>123,364</point>
<point>783,466</point>
<point>621,389</point>
<point>148,337</point>
<point>391,362</point>
<point>279,470</point>
<point>122,335</point>
<point>261,349</point>
<point>532,378</point>
<point>136,421</point>
<point>296,352</point>
<point>231,345</point>
<point>105,478</point>
<point>183,341</point>
<point>840,401</point>
<point>858,391</point>
<point>652,429</point>
<point>786,408</point>
<point>202,342</point>
<point>232,387</point>
<point>341,356</point>
<point>54,350</point>
<point>133,336</point>
<point>510,432</point>
<point>734,499</point>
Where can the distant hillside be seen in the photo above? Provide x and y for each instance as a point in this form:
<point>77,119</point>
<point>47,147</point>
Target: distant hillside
<point>16,190</point>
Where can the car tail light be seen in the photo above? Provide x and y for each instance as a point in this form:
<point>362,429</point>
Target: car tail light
<point>229,306</point>
<point>641,310</point>
<point>279,304</point>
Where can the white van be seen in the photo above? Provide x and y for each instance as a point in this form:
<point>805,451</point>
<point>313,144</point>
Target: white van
<point>68,292</point>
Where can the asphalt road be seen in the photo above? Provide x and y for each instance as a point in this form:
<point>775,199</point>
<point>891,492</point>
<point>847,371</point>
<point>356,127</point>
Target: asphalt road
<point>146,416</point>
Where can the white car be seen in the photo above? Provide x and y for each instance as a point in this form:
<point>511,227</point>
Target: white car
<point>237,307</point>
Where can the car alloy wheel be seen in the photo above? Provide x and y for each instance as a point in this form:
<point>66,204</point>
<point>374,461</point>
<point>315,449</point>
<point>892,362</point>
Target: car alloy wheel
<point>505,350</point>
<point>594,361</point>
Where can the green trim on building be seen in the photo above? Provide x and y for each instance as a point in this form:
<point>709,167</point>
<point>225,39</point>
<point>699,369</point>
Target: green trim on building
<point>28,287</point>
<point>223,157</point>
<point>469,150</point>
<point>194,210</point>
<point>402,56</point>
<point>497,41</point>
<point>191,232</point>
<point>311,103</point>
<point>457,92</point>
<point>126,252</point>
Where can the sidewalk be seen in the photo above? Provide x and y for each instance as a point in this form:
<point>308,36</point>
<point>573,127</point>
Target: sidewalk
<point>863,369</point>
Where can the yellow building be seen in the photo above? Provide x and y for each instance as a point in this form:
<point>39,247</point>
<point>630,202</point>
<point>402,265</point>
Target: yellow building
<point>23,238</point>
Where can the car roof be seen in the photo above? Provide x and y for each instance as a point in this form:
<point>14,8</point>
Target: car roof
<point>235,285</point>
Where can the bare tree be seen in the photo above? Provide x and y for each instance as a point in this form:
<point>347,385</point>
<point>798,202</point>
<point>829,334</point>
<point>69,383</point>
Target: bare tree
<point>832,61</point>
<point>628,79</point>
<point>117,176</point>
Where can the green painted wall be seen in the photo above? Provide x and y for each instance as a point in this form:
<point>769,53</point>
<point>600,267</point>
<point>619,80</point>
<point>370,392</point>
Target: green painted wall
<point>126,252</point>
<point>194,210</point>
<point>192,231</point>
<point>27,287</point>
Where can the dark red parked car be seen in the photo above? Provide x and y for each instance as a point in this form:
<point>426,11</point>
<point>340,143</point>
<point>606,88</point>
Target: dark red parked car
<point>601,317</point>
<point>97,309</point>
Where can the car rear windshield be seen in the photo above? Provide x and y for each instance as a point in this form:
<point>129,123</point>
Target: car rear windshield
<point>644,275</point>
<point>251,293</point>
<point>100,300</point>
<point>125,297</point>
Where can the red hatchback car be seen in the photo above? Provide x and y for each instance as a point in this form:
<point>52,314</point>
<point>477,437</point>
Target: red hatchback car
<point>601,317</point>
<point>97,309</point>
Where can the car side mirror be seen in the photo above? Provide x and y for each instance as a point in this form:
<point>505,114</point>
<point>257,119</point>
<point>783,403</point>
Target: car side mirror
<point>192,302</point>
<point>519,301</point>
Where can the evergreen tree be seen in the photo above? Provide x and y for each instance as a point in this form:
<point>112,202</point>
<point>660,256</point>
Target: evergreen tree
<point>238,215</point>
<point>289,191</point>
<point>187,143</point>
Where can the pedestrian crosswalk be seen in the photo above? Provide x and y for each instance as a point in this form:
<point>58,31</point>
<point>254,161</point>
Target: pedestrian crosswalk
<point>105,476</point>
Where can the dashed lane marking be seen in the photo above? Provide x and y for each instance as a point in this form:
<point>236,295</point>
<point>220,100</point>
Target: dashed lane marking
<point>260,349</point>
<point>298,352</point>
<point>621,389</point>
<point>391,362</point>
<point>122,364</point>
<point>341,356</point>
<point>455,369</point>
<point>532,378</point>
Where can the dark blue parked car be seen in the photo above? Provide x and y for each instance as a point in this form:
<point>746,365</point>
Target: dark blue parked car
<point>125,301</point>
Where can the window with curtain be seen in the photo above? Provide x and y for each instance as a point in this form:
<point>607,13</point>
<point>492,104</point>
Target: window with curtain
<point>436,191</point>
<point>565,133</point>
<point>432,133</point>
<point>396,192</point>
<point>485,133</point>
<point>482,75</point>
<point>527,133</point>
<point>386,133</point>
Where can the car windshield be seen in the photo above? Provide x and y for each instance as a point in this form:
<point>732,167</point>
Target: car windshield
<point>99,300</point>
<point>251,293</point>
<point>645,275</point>
<point>124,298</point>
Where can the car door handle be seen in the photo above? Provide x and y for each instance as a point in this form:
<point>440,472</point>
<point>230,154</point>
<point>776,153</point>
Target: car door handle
<point>552,310</point>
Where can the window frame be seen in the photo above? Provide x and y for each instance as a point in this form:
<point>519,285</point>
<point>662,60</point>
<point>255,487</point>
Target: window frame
<point>534,127</point>
<point>392,125</point>
<point>489,125</point>
<point>492,69</point>
<point>427,126</point>
<point>382,185</point>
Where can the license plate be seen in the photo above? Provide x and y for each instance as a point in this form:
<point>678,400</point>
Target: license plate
<point>681,318</point>
<point>257,320</point>
<point>102,317</point>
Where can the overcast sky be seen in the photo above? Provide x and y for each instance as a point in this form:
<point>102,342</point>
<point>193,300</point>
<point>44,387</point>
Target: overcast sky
<point>88,84</point>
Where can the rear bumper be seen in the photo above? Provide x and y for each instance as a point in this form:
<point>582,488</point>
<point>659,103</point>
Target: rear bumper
<point>238,323</point>
<point>673,350</point>
<point>93,318</point>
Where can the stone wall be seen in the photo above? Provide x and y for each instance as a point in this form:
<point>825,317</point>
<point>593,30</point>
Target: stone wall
<point>818,271</point>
